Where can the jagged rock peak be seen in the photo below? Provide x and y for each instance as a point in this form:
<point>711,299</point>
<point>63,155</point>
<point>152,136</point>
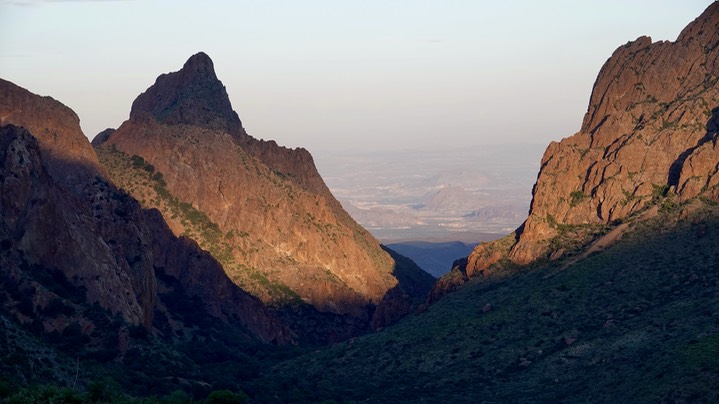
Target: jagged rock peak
<point>200,63</point>
<point>192,96</point>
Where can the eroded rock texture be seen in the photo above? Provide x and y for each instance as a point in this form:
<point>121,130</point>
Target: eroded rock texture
<point>650,130</point>
<point>270,219</point>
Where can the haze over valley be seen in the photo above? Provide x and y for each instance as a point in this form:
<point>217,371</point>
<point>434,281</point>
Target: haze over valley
<point>454,194</point>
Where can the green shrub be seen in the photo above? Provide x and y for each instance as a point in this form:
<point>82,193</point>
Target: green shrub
<point>226,397</point>
<point>576,198</point>
<point>177,397</point>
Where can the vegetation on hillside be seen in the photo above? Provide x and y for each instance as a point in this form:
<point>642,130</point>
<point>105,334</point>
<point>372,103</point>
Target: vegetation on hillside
<point>635,323</point>
<point>147,185</point>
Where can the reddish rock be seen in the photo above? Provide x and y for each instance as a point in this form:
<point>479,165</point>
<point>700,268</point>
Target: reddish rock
<point>450,282</point>
<point>295,233</point>
<point>651,126</point>
<point>70,158</point>
<point>191,96</point>
<point>93,239</point>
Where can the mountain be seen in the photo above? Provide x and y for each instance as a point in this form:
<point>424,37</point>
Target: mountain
<point>86,272</point>
<point>606,293</point>
<point>261,209</point>
<point>590,300</point>
<point>649,137</point>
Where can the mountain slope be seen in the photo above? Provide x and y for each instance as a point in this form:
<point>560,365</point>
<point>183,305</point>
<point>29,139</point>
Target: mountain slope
<point>649,132</point>
<point>89,277</point>
<point>636,323</point>
<point>263,210</point>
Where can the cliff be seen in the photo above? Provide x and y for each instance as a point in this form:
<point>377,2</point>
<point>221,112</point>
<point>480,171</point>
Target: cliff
<point>650,133</point>
<point>70,158</point>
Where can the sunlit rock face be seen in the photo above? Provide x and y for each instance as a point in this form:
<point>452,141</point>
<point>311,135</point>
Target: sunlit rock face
<point>273,223</point>
<point>650,130</point>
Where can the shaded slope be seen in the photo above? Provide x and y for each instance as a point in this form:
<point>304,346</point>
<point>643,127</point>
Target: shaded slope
<point>79,284</point>
<point>69,156</point>
<point>88,276</point>
<point>637,322</point>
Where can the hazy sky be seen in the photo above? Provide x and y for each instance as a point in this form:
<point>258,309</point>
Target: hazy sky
<point>335,75</point>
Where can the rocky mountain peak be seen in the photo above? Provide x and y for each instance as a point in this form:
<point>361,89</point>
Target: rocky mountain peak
<point>60,217</point>
<point>262,209</point>
<point>200,63</point>
<point>191,96</point>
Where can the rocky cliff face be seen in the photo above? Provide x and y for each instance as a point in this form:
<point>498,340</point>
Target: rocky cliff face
<point>60,214</point>
<point>69,156</point>
<point>261,209</point>
<point>650,132</point>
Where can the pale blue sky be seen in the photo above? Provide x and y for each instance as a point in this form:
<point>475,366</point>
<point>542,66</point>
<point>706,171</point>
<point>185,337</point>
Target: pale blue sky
<point>335,75</point>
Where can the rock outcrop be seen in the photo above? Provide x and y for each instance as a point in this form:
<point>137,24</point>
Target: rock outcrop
<point>650,132</point>
<point>60,215</point>
<point>263,210</point>
<point>65,148</point>
<point>102,137</point>
<point>191,96</point>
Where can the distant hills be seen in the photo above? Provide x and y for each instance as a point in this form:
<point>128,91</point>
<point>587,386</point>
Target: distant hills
<point>445,194</point>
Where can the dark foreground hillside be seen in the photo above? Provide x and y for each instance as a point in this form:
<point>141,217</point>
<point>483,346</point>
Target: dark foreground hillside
<point>638,322</point>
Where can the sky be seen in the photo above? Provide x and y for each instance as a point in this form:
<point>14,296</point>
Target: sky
<point>336,75</point>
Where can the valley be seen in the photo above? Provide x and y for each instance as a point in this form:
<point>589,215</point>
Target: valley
<point>179,258</point>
